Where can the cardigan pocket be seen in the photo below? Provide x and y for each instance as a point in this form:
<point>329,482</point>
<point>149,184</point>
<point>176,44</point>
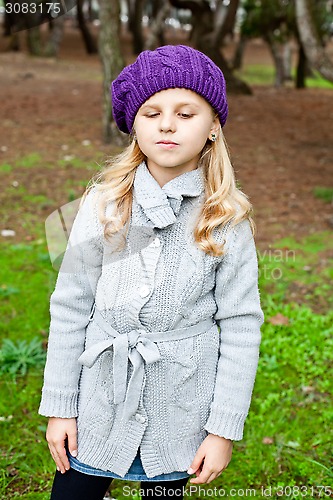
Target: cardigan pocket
<point>96,407</point>
<point>184,383</point>
<point>193,377</point>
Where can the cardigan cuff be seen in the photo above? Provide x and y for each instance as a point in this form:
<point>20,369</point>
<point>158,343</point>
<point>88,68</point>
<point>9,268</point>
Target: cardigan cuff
<point>225,424</point>
<point>62,404</point>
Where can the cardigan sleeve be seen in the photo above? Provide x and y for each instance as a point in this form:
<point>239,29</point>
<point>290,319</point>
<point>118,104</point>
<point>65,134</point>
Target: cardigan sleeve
<point>70,307</point>
<point>239,317</point>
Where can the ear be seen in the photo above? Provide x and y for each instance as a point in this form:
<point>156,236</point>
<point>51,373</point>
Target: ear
<point>215,127</point>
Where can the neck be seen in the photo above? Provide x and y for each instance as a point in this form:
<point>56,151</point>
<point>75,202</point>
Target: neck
<point>162,175</point>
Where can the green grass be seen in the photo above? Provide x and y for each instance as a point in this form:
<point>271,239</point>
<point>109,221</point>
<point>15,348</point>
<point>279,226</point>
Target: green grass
<point>263,74</point>
<point>26,281</point>
<point>29,161</point>
<point>324,193</point>
<point>299,271</point>
<point>5,167</point>
<point>292,399</point>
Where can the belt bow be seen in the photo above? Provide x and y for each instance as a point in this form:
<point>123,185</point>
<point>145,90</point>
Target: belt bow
<point>133,347</point>
<point>139,347</point>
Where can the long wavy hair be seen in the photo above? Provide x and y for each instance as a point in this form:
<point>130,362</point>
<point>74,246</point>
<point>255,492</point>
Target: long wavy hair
<point>223,203</point>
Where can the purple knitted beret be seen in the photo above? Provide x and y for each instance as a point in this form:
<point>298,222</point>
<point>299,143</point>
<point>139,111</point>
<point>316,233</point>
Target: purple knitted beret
<point>169,66</point>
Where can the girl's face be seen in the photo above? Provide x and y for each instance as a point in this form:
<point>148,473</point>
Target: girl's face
<point>172,128</point>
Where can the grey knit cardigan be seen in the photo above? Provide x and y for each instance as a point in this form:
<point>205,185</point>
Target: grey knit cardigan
<point>123,354</point>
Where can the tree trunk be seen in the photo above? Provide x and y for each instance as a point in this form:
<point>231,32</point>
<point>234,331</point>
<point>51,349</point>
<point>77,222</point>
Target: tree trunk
<point>34,41</point>
<point>131,15</point>
<point>157,5</point>
<point>112,62</point>
<point>301,69</point>
<point>90,11</point>
<point>204,39</point>
<point>155,36</point>
<point>14,41</point>
<point>286,60</point>
<point>228,23</point>
<point>239,52</point>
<point>234,84</point>
<point>55,37</point>
<point>6,24</point>
<point>138,41</point>
<point>275,49</point>
<point>314,51</point>
<point>88,40</point>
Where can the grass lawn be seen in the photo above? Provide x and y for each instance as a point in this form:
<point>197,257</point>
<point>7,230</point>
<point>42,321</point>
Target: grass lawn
<point>288,435</point>
<point>263,74</point>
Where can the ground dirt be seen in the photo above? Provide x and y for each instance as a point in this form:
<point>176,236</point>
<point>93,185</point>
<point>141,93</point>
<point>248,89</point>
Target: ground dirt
<point>281,140</point>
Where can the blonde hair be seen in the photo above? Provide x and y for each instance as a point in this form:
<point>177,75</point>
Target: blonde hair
<point>224,202</point>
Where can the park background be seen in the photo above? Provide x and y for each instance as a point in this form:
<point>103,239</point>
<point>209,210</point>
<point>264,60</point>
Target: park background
<point>57,131</point>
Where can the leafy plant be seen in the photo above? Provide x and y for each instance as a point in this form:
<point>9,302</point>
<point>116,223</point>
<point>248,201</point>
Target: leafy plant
<point>17,358</point>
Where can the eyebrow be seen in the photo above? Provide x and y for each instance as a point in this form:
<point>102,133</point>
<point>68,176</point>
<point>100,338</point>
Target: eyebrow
<point>178,105</point>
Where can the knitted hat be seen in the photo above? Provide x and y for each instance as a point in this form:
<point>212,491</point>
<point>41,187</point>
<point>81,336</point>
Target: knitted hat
<point>169,66</point>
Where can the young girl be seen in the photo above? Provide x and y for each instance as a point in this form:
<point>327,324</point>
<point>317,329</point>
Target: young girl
<point>155,317</point>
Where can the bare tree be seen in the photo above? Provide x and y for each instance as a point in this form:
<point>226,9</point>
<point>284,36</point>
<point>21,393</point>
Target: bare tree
<point>112,62</point>
<point>135,12</point>
<point>313,48</point>
<point>208,37</point>
<point>88,39</point>
<point>155,35</point>
<point>55,37</point>
<point>227,21</point>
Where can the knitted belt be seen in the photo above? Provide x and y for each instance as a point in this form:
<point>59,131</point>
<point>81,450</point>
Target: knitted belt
<point>138,346</point>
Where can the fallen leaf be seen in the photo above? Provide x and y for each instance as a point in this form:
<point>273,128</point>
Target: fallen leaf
<point>279,319</point>
<point>307,389</point>
<point>267,440</point>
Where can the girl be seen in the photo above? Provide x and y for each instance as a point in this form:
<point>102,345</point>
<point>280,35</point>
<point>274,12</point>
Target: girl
<point>155,317</point>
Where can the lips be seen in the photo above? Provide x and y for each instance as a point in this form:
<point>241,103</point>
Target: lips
<point>168,142</point>
<point>167,145</point>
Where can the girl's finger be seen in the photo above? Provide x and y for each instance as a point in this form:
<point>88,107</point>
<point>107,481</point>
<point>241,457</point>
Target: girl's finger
<point>212,477</point>
<point>72,442</point>
<point>55,458</point>
<point>61,450</point>
<point>60,458</point>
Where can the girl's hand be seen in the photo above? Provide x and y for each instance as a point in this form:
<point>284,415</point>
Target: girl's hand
<point>57,431</point>
<point>212,457</point>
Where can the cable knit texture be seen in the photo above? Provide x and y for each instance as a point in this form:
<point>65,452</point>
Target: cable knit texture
<point>170,66</point>
<point>160,281</point>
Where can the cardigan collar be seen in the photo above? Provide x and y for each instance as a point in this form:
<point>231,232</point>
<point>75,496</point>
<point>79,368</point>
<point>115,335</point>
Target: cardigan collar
<point>162,204</point>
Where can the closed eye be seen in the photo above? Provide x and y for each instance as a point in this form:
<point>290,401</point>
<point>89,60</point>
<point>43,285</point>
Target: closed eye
<point>182,115</point>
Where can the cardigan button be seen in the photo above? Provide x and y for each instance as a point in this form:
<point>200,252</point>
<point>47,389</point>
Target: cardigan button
<point>156,242</point>
<point>144,291</point>
<point>140,418</point>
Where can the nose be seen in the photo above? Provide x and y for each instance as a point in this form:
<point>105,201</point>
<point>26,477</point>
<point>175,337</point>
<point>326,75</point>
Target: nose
<point>167,122</point>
